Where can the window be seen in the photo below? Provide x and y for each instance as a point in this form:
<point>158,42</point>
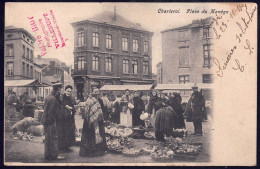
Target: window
<point>28,39</point>
<point>23,69</point>
<point>46,92</point>
<point>135,45</point>
<point>27,71</point>
<point>81,39</point>
<point>81,63</point>
<point>57,71</point>
<point>27,56</point>
<point>23,51</point>
<point>125,66</point>
<point>108,41</point>
<point>40,77</point>
<point>184,56</point>
<point>184,79</point>
<point>95,40</point>
<point>207,78</point>
<point>35,74</point>
<point>205,33</point>
<point>124,44</point>
<point>108,64</point>
<point>146,47</point>
<point>145,68</point>
<point>10,50</point>
<point>134,67</point>
<point>10,68</point>
<point>24,36</point>
<point>31,75</point>
<point>10,35</point>
<point>95,63</point>
<point>31,55</point>
<point>183,35</point>
<point>206,54</point>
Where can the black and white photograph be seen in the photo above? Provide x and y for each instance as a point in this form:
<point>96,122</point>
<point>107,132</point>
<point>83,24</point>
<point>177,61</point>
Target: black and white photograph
<point>130,84</point>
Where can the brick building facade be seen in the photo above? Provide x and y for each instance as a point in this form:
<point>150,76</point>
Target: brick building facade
<point>110,50</point>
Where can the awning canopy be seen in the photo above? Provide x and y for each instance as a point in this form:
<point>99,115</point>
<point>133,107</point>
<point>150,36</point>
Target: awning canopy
<point>124,87</point>
<point>186,86</point>
<point>23,83</point>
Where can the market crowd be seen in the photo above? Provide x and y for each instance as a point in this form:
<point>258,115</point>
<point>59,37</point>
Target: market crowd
<point>161,112</point>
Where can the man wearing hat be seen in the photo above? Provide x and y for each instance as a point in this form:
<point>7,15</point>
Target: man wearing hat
<point>52,106</point>
<point>194,110</point>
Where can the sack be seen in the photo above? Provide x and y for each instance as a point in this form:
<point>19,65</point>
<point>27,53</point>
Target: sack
<point>35,130</point>
<point>23,124</point>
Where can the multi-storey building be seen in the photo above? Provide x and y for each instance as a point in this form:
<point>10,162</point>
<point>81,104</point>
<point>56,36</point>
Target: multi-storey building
<point>110,50</point>
<point>19,57</point>
<point>187,53</point>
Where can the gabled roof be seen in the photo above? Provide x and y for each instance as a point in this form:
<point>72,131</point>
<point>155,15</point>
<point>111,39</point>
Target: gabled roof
<point>14,29</point>
<point>108,17</point>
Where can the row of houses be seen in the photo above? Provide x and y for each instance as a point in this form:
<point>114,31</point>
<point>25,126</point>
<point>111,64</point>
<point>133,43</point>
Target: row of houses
<point>111,50</point>
<point>26,73</point>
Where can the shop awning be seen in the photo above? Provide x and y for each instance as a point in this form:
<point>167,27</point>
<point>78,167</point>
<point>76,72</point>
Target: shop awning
<point>23,83</point>
<point>124,87</point>
<point>187,86</point>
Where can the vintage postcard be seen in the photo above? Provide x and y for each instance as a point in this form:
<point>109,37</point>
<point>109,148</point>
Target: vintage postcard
<point>130,84</point>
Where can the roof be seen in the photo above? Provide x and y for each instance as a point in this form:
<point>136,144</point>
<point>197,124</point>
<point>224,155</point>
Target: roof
<point>23,83</point>
<point>14,29</point>
<point>195,23</point>
<point>186,86</point>
<point>124,87</point>
<point>108,17</point>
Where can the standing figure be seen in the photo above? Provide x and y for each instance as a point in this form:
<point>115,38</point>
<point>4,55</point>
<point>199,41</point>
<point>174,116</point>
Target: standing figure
<point>52,108</point>
<point>106,104</point>
<point>93,140</point>
<point>126,112</point>
<point>177,107</point>
<point>66,123</point>
<point>138,109</point>
<point>194,110</point>
<point>116,110</point>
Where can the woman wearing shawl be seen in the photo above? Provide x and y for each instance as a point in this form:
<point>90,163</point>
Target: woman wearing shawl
<point>93,140</point>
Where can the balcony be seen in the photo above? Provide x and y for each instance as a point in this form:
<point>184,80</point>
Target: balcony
<point>80,48</point>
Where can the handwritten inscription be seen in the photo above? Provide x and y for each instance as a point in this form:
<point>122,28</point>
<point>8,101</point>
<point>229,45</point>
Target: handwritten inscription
<point>221,24</point>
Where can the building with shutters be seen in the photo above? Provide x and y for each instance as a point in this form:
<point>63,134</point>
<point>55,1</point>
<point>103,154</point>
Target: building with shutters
<point>187,53</point>
<point>110,50</point>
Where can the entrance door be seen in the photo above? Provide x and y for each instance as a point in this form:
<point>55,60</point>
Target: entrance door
<point>80,91</point>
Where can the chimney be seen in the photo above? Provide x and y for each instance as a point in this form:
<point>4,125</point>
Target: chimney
<point>115,13</point>
<point>138,24</point>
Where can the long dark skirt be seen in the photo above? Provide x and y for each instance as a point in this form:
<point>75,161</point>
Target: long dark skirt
<point>180,123</point>
<point>88,146</point>
<point>164,123</point>
<point>66,132</point>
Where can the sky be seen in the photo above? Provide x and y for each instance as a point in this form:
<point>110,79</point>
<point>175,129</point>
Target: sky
<point>17,14</point>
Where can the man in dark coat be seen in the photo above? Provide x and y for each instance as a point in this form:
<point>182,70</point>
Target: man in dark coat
<point>138,110</point>
<point>194,110</point>
<point>52,106</point>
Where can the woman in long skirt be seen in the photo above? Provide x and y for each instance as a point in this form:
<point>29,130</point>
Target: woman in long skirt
<point>126,113</point>
<point>93,140</point>
<point>66,123</point>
